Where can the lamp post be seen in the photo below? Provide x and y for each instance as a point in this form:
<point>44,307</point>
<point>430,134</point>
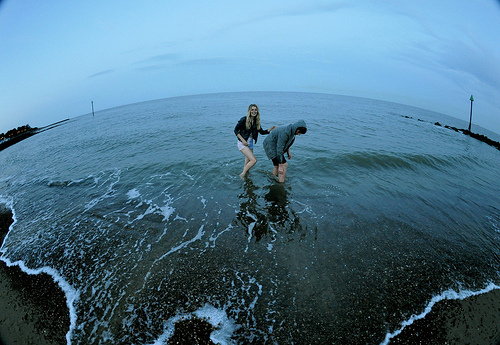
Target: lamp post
<point>470,120</point>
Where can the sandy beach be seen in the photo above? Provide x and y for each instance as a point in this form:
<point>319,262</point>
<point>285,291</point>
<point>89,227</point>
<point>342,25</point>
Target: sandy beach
<point>33,311</point>
<point>477,321</point>
<point>32,308</point>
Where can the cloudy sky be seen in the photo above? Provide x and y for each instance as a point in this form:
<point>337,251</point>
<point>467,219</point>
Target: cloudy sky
<point>56,56</point>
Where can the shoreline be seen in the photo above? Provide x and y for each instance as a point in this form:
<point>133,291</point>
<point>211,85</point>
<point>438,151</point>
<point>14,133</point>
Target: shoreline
<point>34,311</point>
<point>33,307</point>
<point>473,320</point>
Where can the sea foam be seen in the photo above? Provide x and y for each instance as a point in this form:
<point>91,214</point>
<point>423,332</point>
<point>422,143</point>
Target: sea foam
<point>446,295</point>
<point>224,326</point>
<point>71,293</point>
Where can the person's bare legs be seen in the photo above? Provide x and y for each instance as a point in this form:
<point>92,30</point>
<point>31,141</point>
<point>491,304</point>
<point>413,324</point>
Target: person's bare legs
<point>282,174</point>
<point>275,170</point>
<point>250,160</point>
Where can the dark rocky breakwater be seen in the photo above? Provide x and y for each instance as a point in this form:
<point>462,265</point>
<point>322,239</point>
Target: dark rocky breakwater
<point>476,136</point>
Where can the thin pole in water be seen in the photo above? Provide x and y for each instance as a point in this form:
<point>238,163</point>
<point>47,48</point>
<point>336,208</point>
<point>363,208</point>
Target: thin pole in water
<point>92,102</point>
<point>470,120</point>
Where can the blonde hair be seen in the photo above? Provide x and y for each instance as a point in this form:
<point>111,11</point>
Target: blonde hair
<point>249,121</point>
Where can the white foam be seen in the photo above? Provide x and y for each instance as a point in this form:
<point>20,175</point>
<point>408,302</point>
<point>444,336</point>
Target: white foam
<point>224,326</point>
<point>71,293</point>
<point>10,204</point>
<point>214,237</point>
<point>448,294</point>
<point>133,194</point>
<point>166,211</point>
<point>113,179</point>
<point>198,237</point>
<point>250,228</point>
<point>203,201</point>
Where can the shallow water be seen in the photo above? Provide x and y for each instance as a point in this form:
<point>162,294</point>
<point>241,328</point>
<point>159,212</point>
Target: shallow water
<point>140,214</point>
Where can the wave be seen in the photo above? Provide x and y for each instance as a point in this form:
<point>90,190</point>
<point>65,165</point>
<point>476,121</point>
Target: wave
<point>150,227</point>
<point>386,161</point>
<point>72,295</point>
<point>8,203</point>
<point>446,295</point>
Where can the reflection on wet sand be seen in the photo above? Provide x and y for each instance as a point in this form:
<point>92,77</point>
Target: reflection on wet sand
<point>266,210</point>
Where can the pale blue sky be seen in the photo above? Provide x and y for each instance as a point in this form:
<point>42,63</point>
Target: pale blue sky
<point>56,56</point>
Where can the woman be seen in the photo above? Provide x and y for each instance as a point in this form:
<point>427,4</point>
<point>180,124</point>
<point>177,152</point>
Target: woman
<point>247,130</point>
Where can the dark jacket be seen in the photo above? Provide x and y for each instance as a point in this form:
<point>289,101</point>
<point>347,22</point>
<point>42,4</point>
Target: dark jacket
<point>241,128</point>
<point>280,140</point>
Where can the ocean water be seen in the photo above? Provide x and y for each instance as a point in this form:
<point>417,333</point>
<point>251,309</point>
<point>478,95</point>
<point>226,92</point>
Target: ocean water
<point>140,216</point>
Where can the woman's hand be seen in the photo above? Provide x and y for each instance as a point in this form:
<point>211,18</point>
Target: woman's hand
<point>243,141</point>
<point>270,129</point>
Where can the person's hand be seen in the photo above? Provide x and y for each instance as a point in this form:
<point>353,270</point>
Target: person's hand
<point>289,155</point>
<point>245,143</point>
<point>270,129</point>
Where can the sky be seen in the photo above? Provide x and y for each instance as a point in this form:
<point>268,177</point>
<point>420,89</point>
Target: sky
<point>57,56</point>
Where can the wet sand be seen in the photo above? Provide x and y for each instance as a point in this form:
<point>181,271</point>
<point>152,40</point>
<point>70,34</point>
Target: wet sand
<point>192,331</point>
<point>32,307</point>
<point>474,320</point>
<point>33,311</point>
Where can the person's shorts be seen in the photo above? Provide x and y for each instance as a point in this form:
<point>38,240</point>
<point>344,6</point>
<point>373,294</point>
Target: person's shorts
<point>250,144</point>
<point>276,162</point>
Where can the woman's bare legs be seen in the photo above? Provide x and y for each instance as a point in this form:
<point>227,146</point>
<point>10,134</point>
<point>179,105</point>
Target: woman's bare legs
<point>250,160</point>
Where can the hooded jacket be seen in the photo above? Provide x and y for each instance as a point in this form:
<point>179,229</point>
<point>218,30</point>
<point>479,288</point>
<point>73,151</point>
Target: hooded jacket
<point>241,128</point>
<point>280,140</point>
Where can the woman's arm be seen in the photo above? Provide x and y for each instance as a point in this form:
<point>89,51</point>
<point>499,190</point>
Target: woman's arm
<point>239,126</point>
<point>266,131</point>
<point>243,141</point>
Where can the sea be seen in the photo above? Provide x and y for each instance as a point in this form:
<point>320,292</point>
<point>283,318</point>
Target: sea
<point>139,214</point>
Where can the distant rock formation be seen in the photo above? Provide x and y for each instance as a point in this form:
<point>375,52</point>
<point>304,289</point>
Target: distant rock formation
<point>479,137</point>
<point>16,135</point>
<point>20,133</point>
